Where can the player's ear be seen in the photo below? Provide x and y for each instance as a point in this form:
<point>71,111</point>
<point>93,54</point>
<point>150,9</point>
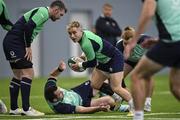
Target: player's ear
<point>55,9</point>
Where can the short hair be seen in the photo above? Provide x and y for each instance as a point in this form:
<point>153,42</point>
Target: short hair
<point>60,4</point>
<point>49,93</point>
<point>128,33</point>
<point>73,24</point>
<point>107,5</point>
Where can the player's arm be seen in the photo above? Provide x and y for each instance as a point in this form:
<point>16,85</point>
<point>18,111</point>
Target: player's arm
<point>61,67</point>
<point>39,16</point>
<point>83,56</point>
<point>81,109</point>
<point>6,23</point>
<point>147,13</point>
<point>90,55</point>
<point>148,41</point>
<point>64,108</point>
<point>54,74</point>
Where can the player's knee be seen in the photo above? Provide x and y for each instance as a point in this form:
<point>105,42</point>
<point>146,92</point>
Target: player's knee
<point>134,78</point>
<point>28,73</point>
<point>116,88</point>
<point>95,86</point>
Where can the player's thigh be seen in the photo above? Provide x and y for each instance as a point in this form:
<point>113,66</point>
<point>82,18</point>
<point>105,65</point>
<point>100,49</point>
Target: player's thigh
<point>97,78</point>
<point>116,79</point>
<point>17,73</point>
<point>146,68</point>
<point>102,100</point>
<point>28,72</point>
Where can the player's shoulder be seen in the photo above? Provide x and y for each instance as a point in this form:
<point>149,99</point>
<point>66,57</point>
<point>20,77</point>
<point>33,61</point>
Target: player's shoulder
<point>87,32</point>
<point>43,11</point>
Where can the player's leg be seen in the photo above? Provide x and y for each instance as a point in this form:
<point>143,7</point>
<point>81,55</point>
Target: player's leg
<point>27,73</point>
<point>14,90</point>
<point>115,82</point>
<point>3,108</point>
<point>127,69</point>
<point>143,71</point>
<point>149,85</point>
<point>97,82</point>
<point>97,79</point>
<point>175,82</point>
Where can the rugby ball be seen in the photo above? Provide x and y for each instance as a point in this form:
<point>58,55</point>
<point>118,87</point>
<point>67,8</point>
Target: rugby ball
<point>73,60</point>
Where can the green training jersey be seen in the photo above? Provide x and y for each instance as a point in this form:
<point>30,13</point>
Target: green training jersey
<point>39,16</point>
<point>69,101</point>
<point>70,97</point>
<point>137,53</point>
<point>167,18</point>
<point>92,45</point>
<point>4,18</point>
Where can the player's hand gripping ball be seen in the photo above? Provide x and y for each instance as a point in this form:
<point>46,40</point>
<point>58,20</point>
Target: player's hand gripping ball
<point>74,60</point>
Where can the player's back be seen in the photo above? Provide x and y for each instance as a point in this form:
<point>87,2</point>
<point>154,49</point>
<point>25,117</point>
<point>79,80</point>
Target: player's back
<point>103,50</point>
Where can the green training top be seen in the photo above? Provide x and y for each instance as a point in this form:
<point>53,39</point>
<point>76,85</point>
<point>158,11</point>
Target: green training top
<point>70,97</point>
<point>38,16</point>
<point>4,18</point>
<point>168,20</point>
<point>137,53</point>
<point>92,45</point>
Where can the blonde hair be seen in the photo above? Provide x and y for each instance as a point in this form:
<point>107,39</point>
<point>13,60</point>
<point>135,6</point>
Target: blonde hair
<point>128,33</point>
<point>73,24</point>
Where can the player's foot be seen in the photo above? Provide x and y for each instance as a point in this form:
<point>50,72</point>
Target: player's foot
<point>32,112</point>
<point>130,114</point>
<point>17,111</point>
<point>147,107</point>
<point>3,108</point>
<point>124,108</point>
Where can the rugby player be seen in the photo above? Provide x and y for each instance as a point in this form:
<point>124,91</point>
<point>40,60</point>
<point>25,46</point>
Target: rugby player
<point>106,60</point>
<point>7,25</point>
<point>77,100</point>
<point>164,54</point>
<point>17,49</point>
<point>144,43</point>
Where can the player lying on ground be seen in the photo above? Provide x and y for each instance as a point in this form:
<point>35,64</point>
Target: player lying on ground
<point>77,100</point>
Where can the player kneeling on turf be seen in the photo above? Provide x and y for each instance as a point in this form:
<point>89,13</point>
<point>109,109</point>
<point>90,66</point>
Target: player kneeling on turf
<point>77,100</point>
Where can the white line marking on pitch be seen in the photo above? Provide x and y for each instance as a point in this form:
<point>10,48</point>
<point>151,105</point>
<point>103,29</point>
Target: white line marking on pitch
<point>65,117</point>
